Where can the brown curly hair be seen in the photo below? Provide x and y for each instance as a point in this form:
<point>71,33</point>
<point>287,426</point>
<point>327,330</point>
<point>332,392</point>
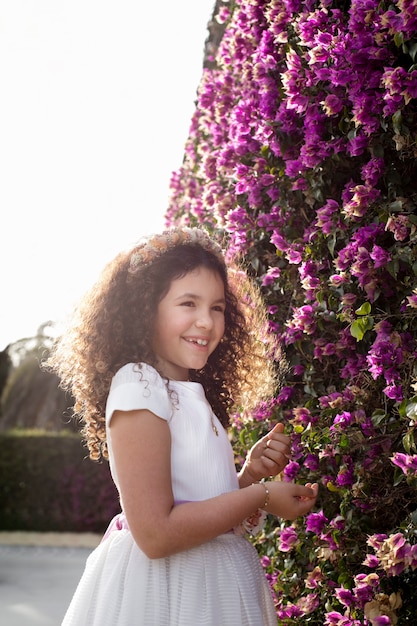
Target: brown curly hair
<point>113,326</point>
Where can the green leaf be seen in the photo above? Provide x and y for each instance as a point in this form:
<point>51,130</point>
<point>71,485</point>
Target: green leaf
<point>378,417</point>
<point>331,242</point>
<point>365,309</point>
<point>409,443</point>
<point>396,122</point>
<point>411,409</point>
<point>393,267</point>
<point>398,477</point>
<point>359,327</point>
<point>356,330</point>
<point>412,51</point>
<point>344,441</point>
<point>397,205</point>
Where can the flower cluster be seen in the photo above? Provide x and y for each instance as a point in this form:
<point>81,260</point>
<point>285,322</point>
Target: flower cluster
<point>302,151</point>
<point>393,554</point>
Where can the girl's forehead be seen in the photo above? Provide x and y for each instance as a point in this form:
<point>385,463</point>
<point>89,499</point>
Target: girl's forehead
<point>199,279</point>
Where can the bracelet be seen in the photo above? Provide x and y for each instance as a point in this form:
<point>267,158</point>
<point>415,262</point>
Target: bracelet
<point>267,495</point>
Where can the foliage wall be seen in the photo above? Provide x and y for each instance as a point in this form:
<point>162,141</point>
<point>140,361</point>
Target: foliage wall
<point>302,149</point>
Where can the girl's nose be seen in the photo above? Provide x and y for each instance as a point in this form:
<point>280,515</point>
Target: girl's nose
<point>204,320</point>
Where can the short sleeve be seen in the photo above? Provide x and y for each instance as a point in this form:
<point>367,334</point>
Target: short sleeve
<point>134,388</point>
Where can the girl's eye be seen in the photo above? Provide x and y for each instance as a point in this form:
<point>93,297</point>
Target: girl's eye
<point>218,308</point>
<point>187,303</point>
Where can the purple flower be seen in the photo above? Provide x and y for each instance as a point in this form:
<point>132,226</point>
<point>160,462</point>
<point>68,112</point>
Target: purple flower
<point>365,587</point>
<point>341,421</point>
<point>376,541</point>
<point>328,216</point>
<point>285,394</point>
<point>315,522</point>
<point>345,596</point>
<point>291,470</point>
<point>303,319</point>
<point>294,254</point>
<point>293,168</point>
<point>332,105</point>
<point>302,415</point>
<point>371,561</point>
<point>394,392</point>
<point>372,171</point>
<point>272,274</point>
<point>334,618</point>
<point>345,477</point>
<point>265,560</point>
<point>361,197</point>
<point>312,462</point>
<point>400,226</point>
<point>290,611</point>
<point>357,145</point>
<point>288,538</point>
<point>380,256</point>
<point>279,242</point>
<point>406,462</point>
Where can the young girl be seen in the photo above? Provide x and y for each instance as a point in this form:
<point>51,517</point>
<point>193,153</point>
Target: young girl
<point>160,351</point>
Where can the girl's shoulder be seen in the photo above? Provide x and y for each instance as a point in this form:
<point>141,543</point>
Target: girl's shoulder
<point>137,372</point>
<point>138,386</point>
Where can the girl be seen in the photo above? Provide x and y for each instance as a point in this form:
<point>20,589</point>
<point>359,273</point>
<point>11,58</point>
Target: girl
<point>159,352</point>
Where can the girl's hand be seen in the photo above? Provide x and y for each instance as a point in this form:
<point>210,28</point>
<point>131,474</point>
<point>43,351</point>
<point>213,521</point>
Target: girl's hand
<point>267,457</point>
<point>289,501</point>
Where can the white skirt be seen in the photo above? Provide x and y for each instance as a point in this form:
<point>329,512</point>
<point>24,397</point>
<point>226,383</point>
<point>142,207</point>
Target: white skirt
<point>220,583</point>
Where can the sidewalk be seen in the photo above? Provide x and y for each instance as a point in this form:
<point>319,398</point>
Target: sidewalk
<point>38,575</point>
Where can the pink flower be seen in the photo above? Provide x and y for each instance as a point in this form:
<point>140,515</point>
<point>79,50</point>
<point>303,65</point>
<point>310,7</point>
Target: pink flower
<point>406,462</point>
<point>315,522</point>
<point>272,274</point>
<point>345,596</point>
<point>288,539</point>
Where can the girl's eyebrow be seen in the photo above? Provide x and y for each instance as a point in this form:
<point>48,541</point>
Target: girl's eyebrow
<point>194,296</point>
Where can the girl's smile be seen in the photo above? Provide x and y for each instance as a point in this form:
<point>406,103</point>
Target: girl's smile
<point>189,323</point>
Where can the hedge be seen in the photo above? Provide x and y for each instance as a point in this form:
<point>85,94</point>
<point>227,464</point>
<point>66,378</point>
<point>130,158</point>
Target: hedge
<point>48,483</point>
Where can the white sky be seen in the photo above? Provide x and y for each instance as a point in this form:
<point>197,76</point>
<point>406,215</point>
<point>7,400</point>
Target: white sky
<point>96,102</point>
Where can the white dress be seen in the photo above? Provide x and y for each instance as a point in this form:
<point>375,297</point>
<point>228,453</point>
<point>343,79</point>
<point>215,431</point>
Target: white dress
<point>220,583</point>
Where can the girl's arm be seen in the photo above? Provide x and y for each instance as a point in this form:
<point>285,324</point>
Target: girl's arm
<point>142,446</point>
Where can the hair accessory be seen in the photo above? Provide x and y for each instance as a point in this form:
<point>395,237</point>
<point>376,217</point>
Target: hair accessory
<point>155,246</point>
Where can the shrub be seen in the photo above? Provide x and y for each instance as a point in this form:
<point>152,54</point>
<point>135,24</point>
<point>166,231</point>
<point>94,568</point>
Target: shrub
<point>48,483</point>
<point>302,150</point>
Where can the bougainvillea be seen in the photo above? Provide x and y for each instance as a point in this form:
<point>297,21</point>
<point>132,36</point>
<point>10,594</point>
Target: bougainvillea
<point>302,150</point>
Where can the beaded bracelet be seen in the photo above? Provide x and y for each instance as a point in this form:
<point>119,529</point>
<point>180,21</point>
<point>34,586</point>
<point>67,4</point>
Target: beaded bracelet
<point>267,495</point>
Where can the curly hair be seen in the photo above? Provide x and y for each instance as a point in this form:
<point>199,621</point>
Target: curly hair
<point>113,326</point>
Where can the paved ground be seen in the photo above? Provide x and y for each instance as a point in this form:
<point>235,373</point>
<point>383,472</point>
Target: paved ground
<point>38,575</point>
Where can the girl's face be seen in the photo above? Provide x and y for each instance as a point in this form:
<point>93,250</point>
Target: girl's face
<point>189,323</point>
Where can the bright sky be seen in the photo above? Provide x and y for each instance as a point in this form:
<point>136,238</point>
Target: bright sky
<point>97,98</point>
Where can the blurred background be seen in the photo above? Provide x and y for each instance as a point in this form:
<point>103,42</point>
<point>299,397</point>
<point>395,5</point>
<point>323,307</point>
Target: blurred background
<point>96,103</point>
<point>96,106</point>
